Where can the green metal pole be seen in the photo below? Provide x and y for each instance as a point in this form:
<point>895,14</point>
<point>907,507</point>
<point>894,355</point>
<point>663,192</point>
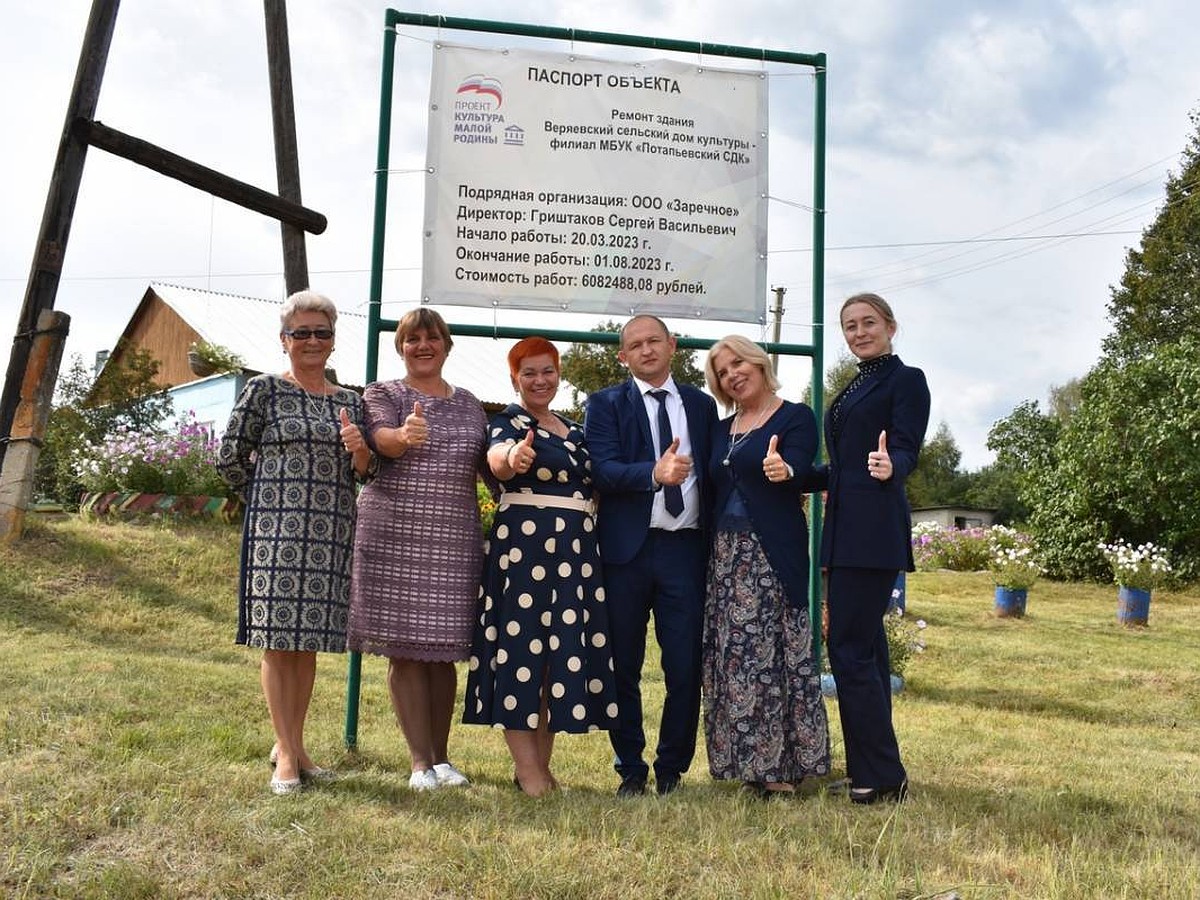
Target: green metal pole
<point>818,345</point>
<point>382,158</point>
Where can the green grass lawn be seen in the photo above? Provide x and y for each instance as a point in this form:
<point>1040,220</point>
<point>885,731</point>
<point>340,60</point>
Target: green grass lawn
<point>1050,757</point>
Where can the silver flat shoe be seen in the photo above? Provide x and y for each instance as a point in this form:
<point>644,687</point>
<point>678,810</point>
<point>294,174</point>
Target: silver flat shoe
<point>282,786</point>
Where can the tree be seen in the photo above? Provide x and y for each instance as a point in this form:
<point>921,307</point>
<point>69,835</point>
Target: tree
<point>125,395</point>
<point>837,376</point>
<point>1065,399</point>
<point>1158,300</point>
<point>1126,464</point>
<point>937,481</point>
<point>590,367</point>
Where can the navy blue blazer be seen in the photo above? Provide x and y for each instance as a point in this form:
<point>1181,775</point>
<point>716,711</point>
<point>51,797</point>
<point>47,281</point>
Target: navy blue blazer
<point>623,456</point>
<point>868,524</point>
<point>776,508</point>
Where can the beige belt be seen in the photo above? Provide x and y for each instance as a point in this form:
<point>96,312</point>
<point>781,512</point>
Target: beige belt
<point>587,506</point>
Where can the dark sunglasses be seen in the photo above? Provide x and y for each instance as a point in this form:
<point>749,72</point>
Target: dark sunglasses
<point>303,334</point>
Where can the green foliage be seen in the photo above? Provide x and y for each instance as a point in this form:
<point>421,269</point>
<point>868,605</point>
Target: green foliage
<point>904,640</point>
<point>955,549</point>
<point>590,367</point>
<point>216,357</point>
<point>88,409</point>
<point>937,480</point>
<point>1013,563</point>
<point>1158,300</point>
<point>487,506</point>
<point>179,462</point>
<point>995,487</point>
<point>837,376</point>
<point>1144,567</point>
<point>1116,456</point>
<point>1120,466</point>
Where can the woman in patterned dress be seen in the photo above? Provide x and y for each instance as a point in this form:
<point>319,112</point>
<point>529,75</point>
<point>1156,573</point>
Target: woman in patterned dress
<point>293,450</point>
<point>764,719</point>
<point>540,662</point>
<point>418,550</point>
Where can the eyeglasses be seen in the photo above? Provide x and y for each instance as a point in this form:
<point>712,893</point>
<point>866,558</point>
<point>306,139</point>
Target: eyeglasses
<point>303,334</point>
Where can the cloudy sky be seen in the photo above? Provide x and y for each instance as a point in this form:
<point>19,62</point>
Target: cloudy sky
<point>989,163</point>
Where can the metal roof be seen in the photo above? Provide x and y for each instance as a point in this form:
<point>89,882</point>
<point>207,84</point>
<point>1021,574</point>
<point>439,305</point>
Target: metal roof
<point>248,326</point>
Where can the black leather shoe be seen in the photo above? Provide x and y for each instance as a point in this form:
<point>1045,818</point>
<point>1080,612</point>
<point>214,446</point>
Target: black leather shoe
<point>894,794</point>
<point>632,786</point>
<point>666,786</point>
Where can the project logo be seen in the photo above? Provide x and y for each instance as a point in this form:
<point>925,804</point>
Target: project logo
<point>483,86</point>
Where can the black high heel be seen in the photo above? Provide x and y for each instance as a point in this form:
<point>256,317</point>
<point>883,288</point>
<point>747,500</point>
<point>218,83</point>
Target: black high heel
<point>895,794</point>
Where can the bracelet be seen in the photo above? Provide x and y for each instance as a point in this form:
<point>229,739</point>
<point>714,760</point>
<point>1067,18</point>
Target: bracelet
<point>508,455</point>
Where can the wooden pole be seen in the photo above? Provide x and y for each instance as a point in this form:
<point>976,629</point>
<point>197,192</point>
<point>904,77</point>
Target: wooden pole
<point>42,288</point>
<point>287,157</point>
<point>29,422</point>
<point>209,180</point>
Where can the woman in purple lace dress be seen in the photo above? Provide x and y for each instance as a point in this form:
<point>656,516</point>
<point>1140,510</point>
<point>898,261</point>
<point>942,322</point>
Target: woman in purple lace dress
<point>418,550</point>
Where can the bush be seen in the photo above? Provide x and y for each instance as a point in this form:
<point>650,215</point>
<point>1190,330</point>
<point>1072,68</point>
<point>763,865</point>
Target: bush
<point>153,462</point>
<point>904,640</point>
<point>957,549</point>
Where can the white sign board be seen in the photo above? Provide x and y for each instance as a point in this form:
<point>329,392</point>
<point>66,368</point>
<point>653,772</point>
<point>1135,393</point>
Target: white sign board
<point>563,182</point>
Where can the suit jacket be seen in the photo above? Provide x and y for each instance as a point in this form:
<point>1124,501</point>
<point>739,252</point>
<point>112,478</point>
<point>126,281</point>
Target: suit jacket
<point>776,508</point>
<point>868,524</point>
<point>623,457</point>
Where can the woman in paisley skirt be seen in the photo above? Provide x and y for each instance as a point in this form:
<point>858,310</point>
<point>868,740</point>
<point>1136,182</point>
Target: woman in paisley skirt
<point>764,718</point>
<point>293,451</point>
<point>540,661</point>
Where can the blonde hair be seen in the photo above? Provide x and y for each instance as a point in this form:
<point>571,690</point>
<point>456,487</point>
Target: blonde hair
<point>743,348</point>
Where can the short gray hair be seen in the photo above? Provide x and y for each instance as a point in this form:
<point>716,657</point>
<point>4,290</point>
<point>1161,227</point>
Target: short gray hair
<point>307,301</point>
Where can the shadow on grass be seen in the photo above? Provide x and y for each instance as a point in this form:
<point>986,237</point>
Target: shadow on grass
<point>55,568</point>
<point>1011,698</point>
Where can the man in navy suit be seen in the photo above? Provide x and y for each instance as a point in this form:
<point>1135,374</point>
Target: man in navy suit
<point>643,435</point>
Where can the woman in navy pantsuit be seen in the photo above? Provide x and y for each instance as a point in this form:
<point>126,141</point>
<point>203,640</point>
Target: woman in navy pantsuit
<point>873,430</point>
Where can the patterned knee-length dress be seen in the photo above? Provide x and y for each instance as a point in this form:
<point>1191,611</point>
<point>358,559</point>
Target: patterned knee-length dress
<point>542,620</point>
<point>282,452</point>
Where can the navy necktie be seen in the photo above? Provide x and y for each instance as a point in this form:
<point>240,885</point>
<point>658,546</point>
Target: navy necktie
<point>672,493</point>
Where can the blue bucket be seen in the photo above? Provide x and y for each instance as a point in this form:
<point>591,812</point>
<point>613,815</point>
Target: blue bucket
<point>1010,602</point>
<point>1133,605</point>
<point>896,603</point>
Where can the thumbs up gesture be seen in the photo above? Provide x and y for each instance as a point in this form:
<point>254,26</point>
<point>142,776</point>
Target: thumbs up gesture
<point>879,463</point>
<point>521,455</point>
<point>415,430</point>
<point>351,434</point>
<point>672,467</point>
<point>773,465</point>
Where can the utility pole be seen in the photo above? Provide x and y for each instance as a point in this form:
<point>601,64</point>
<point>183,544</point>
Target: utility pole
<point>42,289</point>
<point>29,373</point>
<point>287,156</point>
<point>777,314</point>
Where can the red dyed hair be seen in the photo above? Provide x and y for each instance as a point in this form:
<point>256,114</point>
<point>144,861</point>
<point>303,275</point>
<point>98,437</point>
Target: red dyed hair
<point>527,347</point>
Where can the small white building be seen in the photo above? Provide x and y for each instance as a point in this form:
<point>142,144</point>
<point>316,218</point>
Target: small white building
<point>960,517</point>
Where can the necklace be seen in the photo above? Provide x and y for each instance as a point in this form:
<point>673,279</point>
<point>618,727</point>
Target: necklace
<point>736,438</point>
<point>313,401</point>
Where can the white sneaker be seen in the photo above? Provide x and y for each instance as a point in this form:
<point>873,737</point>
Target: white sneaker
<point>424,780</point>
<point>448,776</point>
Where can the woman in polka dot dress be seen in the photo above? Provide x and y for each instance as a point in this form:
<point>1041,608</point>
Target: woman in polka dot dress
<point>540,660</point>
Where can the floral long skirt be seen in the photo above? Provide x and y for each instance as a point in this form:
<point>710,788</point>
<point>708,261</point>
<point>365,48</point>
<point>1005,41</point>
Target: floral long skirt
<point>764,718</point>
